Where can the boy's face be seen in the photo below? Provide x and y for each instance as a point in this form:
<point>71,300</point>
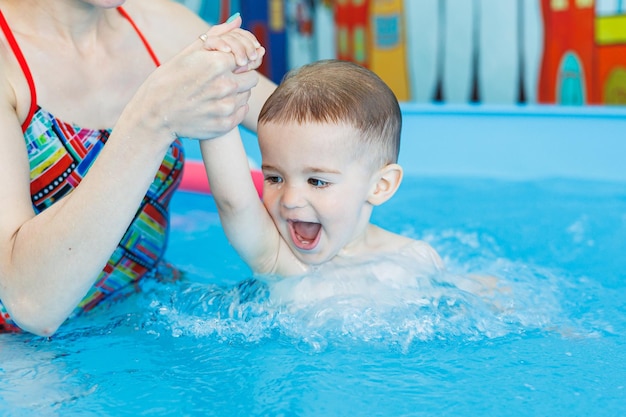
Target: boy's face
<point>314,189</point>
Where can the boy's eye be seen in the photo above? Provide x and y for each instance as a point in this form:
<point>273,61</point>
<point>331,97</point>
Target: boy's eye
<point>317,182</point>
<point>273,179</point>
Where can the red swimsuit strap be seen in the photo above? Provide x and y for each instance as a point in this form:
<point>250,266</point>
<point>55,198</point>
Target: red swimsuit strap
<point>27,74</point>
<point>20,58</point>
<point>143,39</point>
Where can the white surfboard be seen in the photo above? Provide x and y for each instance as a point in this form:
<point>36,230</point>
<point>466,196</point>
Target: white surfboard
<point>324,32</point>
<point>456,47</point>
<point>533,48</point>
<point>300,42</point>
<point>608,7</point>
<point>421,23</point>
<point>499,51</point>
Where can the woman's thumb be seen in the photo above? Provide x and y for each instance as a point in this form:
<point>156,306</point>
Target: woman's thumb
<point>233,22</point>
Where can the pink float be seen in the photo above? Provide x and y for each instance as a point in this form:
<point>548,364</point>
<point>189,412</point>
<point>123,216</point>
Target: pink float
<point>195,179</point>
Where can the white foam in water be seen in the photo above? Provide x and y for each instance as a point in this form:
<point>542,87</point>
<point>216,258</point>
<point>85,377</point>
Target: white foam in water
<point>353,305</point>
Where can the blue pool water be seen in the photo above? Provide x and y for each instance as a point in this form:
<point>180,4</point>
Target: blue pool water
<point>552,341</point>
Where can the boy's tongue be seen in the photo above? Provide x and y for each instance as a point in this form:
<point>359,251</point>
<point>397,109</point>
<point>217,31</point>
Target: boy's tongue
<point>305,231</point>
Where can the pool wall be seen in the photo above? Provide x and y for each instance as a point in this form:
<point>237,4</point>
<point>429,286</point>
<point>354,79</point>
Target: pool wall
<point>506,142</point>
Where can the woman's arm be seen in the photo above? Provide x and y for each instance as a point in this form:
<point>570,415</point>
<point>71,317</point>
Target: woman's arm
<point>49,261</point>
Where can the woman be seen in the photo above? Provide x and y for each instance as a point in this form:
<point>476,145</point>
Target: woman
<point>74,75</point>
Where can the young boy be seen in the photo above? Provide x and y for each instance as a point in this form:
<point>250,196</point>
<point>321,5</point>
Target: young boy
<point>329,138</point>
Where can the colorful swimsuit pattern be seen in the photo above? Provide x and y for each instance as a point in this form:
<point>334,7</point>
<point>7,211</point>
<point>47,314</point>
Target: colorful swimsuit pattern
<point>60,155</point>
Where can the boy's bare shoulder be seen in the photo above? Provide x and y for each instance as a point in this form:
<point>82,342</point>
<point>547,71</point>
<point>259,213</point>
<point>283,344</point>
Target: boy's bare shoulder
<point>406,247</point>
<point>423,254</point>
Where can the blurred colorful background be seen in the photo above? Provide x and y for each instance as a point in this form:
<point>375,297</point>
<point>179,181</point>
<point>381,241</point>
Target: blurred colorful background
<point>569,52</point>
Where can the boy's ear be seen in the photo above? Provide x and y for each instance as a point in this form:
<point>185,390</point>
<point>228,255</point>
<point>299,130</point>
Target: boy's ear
<point>386,183</point>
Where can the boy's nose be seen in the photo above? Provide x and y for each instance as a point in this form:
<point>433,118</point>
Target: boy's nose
<point>292,197</point>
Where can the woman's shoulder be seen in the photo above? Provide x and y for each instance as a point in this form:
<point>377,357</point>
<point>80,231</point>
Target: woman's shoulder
<point>11,77</point>
<point>169,26</point>
<point>165,15</point>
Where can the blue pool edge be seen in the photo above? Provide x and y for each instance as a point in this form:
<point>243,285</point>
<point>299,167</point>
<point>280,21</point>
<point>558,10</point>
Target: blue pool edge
<point>522,142</point>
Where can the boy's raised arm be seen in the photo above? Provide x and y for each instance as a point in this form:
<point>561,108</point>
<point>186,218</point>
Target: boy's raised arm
<point>247,225</point>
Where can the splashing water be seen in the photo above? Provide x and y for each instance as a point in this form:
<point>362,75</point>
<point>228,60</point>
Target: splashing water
<point>332,307</point>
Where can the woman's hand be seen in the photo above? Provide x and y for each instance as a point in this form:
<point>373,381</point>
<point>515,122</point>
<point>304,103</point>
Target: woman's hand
<point>203,91</point>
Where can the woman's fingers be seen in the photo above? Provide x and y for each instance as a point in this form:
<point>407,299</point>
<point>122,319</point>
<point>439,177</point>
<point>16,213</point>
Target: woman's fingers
<point>233,22</point>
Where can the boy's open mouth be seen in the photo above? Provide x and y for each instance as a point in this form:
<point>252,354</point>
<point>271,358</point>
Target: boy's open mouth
<point>305,235</point>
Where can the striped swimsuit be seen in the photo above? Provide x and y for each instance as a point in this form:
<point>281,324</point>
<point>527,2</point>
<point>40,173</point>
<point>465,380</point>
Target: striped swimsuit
<point>60,154</point>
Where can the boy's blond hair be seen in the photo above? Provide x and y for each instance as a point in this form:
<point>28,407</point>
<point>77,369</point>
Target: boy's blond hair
<point>333,91</point>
